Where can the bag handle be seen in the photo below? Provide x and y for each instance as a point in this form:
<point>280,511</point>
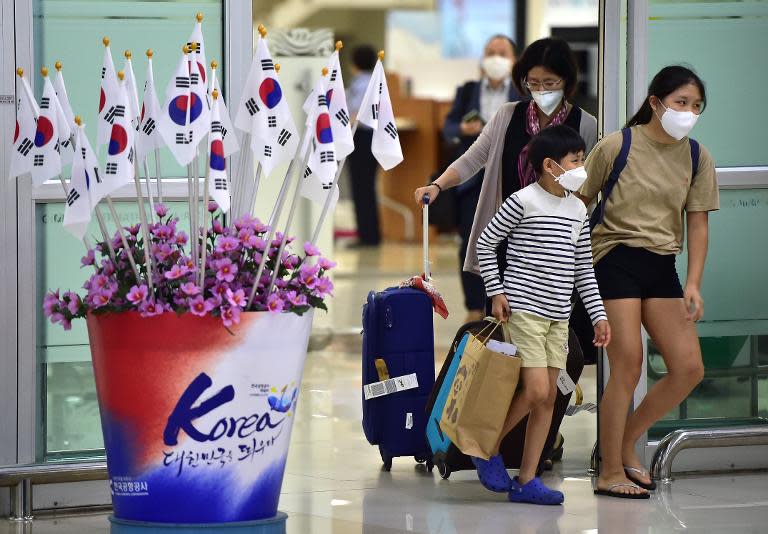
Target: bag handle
<point>496,324</point>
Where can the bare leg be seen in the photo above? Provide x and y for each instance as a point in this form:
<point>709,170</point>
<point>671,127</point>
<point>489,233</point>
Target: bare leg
<point>537,430</point>
<point>676,337</point>
<point>625,355</point>
<point>535,389</point>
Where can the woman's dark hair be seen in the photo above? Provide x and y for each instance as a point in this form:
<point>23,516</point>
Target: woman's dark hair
<point>555,143</point>
<point>667,81</point>
<point>506,38</point>
<point>364,57</point>
<point>552,54</point>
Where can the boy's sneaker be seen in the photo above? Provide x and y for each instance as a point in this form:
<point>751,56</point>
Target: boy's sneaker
<point>492,473</point>
<point>534,492</point>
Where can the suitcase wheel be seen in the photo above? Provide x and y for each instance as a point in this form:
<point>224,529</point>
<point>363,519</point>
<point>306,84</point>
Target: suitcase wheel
<point>426,461</point>
<point>386,458</point>
<point>443,469</point>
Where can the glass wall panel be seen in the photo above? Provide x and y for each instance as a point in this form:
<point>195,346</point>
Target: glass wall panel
<point>725,42</point>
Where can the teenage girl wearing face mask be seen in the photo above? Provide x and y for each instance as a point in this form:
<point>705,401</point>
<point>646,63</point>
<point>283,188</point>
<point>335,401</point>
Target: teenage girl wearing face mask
<point>634,247</point>
<point>475,103</point>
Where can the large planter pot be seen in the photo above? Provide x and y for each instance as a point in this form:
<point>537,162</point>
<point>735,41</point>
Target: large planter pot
<point>197,419</point>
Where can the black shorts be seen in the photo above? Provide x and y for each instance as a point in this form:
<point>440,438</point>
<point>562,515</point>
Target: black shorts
<point>629,272</point>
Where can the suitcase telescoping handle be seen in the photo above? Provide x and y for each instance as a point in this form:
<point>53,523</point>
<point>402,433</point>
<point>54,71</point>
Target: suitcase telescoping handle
<point>425,237</point>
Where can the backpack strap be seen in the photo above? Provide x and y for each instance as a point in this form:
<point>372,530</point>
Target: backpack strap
<point>618,165</point>
<point>695,154</point>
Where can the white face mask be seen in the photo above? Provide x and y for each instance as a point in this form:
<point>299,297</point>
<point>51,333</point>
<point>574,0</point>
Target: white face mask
<point>677,124</point>
<point>497,67</point>
<point>547,100</point>
<point>572,179</point>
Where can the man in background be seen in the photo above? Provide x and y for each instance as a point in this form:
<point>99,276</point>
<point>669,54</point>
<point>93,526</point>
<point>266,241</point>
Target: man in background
<point>361,163</point>
<point>475,103</point>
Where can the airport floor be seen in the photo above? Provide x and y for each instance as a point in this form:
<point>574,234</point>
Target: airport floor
<point>334,482</point>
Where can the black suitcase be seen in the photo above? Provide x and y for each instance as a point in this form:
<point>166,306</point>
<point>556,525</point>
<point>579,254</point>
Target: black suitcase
<point>512,445</point>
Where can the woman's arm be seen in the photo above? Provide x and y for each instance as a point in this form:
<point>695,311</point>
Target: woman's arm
<point>698,242</point>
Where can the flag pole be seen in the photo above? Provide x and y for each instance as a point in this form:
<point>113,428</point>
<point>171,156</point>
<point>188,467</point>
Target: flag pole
<point>192,238</point>
<point>149,53</point>
<point>140,205</point>
<point>271,231</point>
<point>204,252</point>
<point>329,198</point>
<point>239,178</point>
<point>120,231</point>
<point>196,201</point>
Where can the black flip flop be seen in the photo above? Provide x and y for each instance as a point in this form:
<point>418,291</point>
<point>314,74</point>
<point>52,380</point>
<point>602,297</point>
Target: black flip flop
<point>646,486</point>
<point>610,493</point>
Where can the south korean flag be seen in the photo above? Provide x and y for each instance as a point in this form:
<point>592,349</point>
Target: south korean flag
<point>228,130</point>
<point>119,169</point>
<point>180,109</point>
<point>376,112</point>
<point>148,137</point>
<point>24,133</point>
<point>107,97</point>
<point>52,130</point>
<point>65,114</point>
<point>198,83</point>
<point>218,185</point>
<point>264,113</point>
<point>338,109</point>
<point>321,167</point>
<point>85,176</point>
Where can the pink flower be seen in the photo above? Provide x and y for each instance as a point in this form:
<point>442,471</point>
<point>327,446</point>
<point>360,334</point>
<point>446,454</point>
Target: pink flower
<point>107,268</point>
<point>324,286</point>
<point>162,231</point>
<point>212,206</point>
<point>218,228</point>
<point>245,221</point>
<point>181,239</point>
<point>236,298</point>
<point>308,275</point>
<point>275,303</point>
<point>296,299</point>
<point>162,252</point>
<point>137,294</point>
<point>290,262</point>
<point>66,324</point>
<point>311,250</point>
<point>230,316</point>
<point>134,230</point>
<point>99,281</point>
<point>88,259</point>
<point>51,303</point>
<point>149,308</point>
<point>161,210</point>
<point>73,302</point>
<point>176,272</point>
<point>258,243</point>
<point>190,288</point>
<point>226,270</point>
<point>227,244</point>
<point>199,306</point>
<point>326,264</point>
<point>100,299</point>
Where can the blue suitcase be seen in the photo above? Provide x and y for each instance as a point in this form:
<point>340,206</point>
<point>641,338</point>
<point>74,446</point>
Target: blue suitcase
<point>397,328</point>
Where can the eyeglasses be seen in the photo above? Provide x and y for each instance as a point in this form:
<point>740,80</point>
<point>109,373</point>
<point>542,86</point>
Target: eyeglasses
<point>548,85</point>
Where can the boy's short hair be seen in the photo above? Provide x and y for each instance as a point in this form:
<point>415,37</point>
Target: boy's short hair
<point>555,143</point>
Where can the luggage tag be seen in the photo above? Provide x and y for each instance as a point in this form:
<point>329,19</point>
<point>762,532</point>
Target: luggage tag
<point>564,382</point>
<point>507,349</point>
<point>389,386</point>
<point>381,369</point>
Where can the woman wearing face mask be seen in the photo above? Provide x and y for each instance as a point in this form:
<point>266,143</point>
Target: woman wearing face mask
<point>475,103</point>
<point>639,232</point>
<point>547,71</point>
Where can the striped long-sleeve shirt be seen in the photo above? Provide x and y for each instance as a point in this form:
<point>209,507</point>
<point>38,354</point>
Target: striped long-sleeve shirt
<point>549,251</point>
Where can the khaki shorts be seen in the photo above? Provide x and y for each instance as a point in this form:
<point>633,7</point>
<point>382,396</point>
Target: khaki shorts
<point>540,342</point>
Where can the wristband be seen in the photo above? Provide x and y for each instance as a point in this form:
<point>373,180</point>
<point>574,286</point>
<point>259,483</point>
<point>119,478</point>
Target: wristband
<point>437,185</point>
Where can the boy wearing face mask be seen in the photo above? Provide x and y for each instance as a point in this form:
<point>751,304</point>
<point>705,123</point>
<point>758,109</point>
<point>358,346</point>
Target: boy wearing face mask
<point>475,104</point>
<point>548,254</point>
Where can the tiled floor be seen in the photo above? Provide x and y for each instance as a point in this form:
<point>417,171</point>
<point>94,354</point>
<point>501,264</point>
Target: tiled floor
<point>334,483</point>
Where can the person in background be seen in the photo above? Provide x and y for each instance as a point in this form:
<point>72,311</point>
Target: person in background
<point>361,162</point>
<point>475,103</point>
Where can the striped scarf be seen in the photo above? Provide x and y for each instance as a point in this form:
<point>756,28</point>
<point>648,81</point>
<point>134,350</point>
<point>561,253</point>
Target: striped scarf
<point>532,127</point>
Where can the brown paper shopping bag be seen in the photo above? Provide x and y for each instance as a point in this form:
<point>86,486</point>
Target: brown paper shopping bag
<point>482,390</point>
